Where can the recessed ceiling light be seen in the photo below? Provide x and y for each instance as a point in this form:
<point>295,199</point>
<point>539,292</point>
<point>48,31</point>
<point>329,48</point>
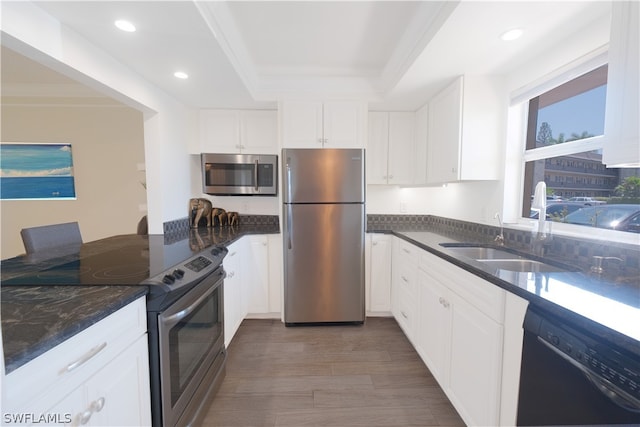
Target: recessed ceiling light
<point>181,75</point>
<point>125,25</point>
<point>516,33</point>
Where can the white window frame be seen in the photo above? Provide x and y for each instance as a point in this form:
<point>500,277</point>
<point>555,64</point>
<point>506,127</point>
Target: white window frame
<point>517,154</point>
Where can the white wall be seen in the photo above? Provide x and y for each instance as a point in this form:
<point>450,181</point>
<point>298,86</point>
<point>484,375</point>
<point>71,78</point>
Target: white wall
<point>110,197</point>
<point>30,31</point>
<point>467,201</point>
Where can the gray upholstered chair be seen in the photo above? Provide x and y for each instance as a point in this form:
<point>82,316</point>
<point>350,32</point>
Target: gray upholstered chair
<point>38,239</point>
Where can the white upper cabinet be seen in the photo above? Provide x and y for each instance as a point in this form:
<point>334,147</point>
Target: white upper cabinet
<point>464,132</point>
<point>335,124</point>
<point>621,130</point>
<point>421,141</point>
<point>259,131</point>
<point>391,148</point>
<point>238,131</point>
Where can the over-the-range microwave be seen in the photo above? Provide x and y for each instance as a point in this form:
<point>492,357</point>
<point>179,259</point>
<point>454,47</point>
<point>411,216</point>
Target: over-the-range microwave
<point>240,174</point>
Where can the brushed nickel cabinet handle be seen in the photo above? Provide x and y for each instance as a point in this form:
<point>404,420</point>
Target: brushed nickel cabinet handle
<point>84,358</point>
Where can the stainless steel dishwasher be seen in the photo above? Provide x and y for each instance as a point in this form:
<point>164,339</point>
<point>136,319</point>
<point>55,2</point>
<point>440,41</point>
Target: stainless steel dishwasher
<point>570,377</point>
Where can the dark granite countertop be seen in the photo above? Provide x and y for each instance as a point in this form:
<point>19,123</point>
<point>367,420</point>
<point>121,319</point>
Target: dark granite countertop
<point>602,305</point>
<point>37,318</point>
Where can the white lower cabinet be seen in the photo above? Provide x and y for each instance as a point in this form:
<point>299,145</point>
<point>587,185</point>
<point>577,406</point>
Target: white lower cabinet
<point>460,337</point>
<point>379,271</point>
<point>434,326</point>
<point>113,396</point>
<point>98,377</point>
<point>475,363</point>
<point>253,286</point>
<point>234,294</point>
<point>404,287</point>
<point>257,275</point>
<point>455,321</point>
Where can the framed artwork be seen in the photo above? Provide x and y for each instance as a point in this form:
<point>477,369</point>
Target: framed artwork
<point>36,171</point>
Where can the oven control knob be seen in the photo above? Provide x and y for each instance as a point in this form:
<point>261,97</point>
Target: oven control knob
<point>178,274</point>
<point>555,340</point>
<point>168,279</point>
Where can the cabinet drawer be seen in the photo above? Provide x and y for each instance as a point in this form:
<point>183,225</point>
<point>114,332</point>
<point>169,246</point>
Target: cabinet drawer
<point>405,250</point>
<point>483,295</point>
<point>72,362</point>
<point>407,312</point>
<point>405,276</point>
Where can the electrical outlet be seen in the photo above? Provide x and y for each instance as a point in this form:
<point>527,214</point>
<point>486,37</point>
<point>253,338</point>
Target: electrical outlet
<point>403,207</point>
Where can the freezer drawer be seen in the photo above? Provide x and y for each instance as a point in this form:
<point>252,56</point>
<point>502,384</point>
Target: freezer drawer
<point>324,263</point>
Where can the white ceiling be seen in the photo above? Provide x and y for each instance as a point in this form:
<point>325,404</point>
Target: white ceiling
<point>249,54</point>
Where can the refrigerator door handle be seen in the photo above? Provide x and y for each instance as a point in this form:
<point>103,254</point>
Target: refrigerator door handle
<point>289,207</point>
<point>289,227</point>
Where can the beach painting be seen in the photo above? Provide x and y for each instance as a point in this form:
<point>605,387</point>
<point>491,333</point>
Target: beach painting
<point>36,171</point>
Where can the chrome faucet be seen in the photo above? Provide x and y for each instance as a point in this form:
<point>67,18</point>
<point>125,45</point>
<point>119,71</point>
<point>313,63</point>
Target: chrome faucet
<point>499,239</point>
<point>597,263</point>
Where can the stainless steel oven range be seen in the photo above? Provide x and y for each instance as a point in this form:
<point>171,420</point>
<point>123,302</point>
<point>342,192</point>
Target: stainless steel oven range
<point>184,310</point>
<point>186,339</point>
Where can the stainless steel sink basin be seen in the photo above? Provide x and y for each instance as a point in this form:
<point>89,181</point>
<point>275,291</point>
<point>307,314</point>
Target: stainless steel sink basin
<point>522,265</point>
<point>502,259</point>
<point>479,252</point>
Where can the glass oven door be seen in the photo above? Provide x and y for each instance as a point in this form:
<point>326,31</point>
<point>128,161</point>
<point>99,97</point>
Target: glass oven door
<point>230,174</point>
<point>191,336</point>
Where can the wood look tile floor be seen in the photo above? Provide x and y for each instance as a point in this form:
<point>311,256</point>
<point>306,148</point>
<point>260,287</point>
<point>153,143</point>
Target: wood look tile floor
<point>367,375</point>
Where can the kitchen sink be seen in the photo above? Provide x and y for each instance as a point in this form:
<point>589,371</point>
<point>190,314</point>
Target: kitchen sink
<point>502,259</point>
<point>522,265</point>
<point>482,252</point>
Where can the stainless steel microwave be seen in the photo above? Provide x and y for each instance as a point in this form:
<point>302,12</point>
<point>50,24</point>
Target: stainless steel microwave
<point>240,174</point>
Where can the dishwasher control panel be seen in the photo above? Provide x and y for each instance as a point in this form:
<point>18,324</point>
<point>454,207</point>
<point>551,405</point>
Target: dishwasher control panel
<point>606,368</point>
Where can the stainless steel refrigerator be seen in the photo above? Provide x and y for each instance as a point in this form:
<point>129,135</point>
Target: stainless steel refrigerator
<point>324,224</point>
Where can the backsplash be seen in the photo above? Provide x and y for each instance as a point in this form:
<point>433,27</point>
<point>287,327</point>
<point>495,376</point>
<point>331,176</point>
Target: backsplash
<point>182,225</point>
<point>579,252</point>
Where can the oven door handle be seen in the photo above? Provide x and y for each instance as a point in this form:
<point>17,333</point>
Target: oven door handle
<point>169,321</point>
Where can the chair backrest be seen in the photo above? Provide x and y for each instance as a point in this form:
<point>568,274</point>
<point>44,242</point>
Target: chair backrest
<point>36,239</point>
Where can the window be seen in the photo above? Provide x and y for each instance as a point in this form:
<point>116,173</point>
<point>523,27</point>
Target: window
<point>563,149</point>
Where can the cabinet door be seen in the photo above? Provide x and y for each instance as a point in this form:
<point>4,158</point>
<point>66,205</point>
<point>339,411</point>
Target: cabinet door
<point>377,148</point>
<point>257,277</point>
<point>621,131</point>
<point>422,139</point>
<point>220,131</point>
<point>401,148</point>
<point>344,124</point>
<point>475,363</point>
<point>70,410</point>
<point>276,265</point>
<point>233,292</point>
<point>445,133</point>
<point>380,273</point>
<point>434,326</point>
<point>118,395</point>
<point>259,132</point>
<point>302,124</point>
